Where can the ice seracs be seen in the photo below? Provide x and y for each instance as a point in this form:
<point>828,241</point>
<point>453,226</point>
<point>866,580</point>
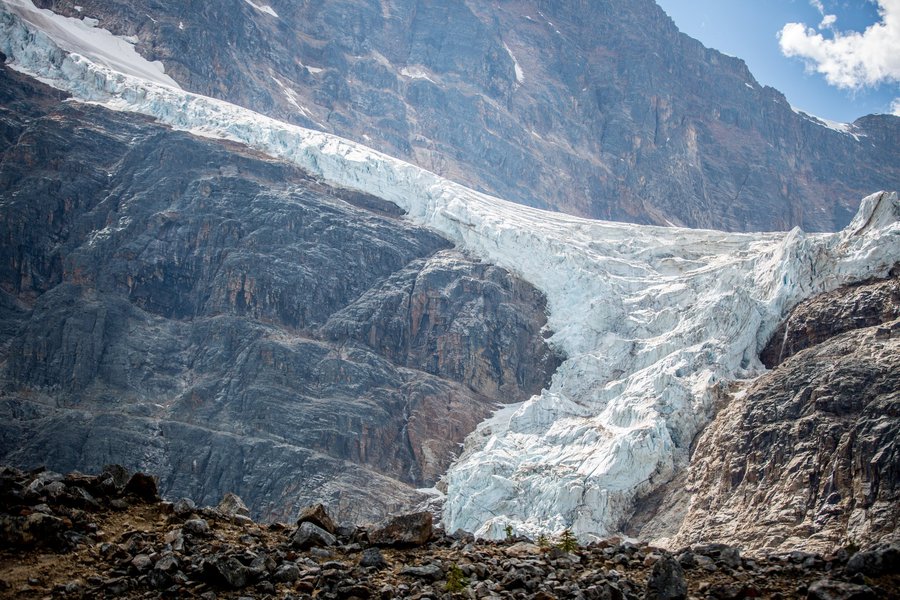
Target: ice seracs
<point>654,321</point>
<point>82,36</point>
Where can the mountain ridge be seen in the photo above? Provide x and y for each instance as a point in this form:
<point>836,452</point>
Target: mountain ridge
<point>618,115</point>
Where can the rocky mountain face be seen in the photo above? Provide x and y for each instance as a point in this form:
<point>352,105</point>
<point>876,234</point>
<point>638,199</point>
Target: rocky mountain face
<point>807,456</point>
<point>193,308</point>
<point>601,109</point>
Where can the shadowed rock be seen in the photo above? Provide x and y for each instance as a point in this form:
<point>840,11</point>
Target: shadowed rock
<point>666,581</point>
<point>405,530</point>
<point>309,535</point>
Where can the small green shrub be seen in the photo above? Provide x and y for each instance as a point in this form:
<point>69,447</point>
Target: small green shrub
<point>456,581</point>
<point>542,542</point>
<point>509,531</point>
<point>567,541</point>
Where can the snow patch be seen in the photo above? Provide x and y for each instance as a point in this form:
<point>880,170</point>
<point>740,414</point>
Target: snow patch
<point>833,125</point>
<point>292,97</point>
<point>520,75</point>
<point>416,72</point>
<point>263,8</point>
<point>83,37</point>
<point>652,320</point>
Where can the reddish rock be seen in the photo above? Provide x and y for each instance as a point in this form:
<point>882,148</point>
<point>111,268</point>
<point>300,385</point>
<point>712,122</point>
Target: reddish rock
<point>405,530</point>
<point>317,515</point>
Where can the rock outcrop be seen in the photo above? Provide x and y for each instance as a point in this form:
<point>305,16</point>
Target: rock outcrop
<point>867,304</point>
<point>807,457</point>
<point>220,318</point>
<point>600,109</point>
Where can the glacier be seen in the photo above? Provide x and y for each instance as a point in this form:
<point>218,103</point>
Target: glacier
<point>657,324</point>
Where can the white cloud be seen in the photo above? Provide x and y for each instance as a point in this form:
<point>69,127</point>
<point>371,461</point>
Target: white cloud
<point>849,59</point>
<point>827,21</point>
<point>895,107</point>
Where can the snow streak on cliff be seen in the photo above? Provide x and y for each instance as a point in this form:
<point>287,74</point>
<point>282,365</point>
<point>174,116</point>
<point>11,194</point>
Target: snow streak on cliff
<point>654,321</point>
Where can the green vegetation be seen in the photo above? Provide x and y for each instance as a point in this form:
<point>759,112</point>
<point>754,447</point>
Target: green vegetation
<point>567,541</point>
<point>456,581</point>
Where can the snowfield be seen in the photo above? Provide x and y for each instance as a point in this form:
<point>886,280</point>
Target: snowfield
<point>655,322</point>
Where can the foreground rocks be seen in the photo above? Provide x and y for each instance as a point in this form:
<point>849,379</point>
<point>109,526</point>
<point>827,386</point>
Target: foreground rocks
<point>119,545</point>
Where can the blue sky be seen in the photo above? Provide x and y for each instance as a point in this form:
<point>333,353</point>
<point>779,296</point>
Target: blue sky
<point>858,73</point>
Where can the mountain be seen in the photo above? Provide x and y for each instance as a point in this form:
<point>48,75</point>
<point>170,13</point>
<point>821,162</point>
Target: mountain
<point>594,108</point>
<point>235,325</point>
<point>238,303</point>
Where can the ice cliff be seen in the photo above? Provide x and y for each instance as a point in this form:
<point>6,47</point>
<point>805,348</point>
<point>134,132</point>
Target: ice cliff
<point>654,321</point>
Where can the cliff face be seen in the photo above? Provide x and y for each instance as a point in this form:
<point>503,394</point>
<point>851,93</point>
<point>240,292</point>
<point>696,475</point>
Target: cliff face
<point>808,456</point>
<point>600,109</point>
<point>221,318</point>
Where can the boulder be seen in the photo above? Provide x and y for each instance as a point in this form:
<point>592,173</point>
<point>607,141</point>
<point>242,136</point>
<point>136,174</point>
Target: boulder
<point>317,515</point>
<point>310,535</point>
<point>372,557</point>
<point>830,589</point>
<point>405,530</point>
<point>232,505</point>
<point>226,572</point>
<point>666,581</point>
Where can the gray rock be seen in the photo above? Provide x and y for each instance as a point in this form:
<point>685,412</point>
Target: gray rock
<point>666,581</point>
<point>830,589</point>
<point>320,553</point>
<point>372,557</point>
<point>227,571</point>
<point>141,562</point>
<point>287,573</point>
<point>232,505</point>
<point>196,527</point>
<point>842,387</point>
<point>309,535</point>
<point>184,507</point>
<point>144,487</point>
<point>429,572</point>
<point>167,563</point>
<point>830,314</point>
<point>877,561</point>
<point>117,477</point>
<point>727,555</point>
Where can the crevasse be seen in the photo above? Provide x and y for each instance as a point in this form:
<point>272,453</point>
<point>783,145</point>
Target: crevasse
<point>654,321</point>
